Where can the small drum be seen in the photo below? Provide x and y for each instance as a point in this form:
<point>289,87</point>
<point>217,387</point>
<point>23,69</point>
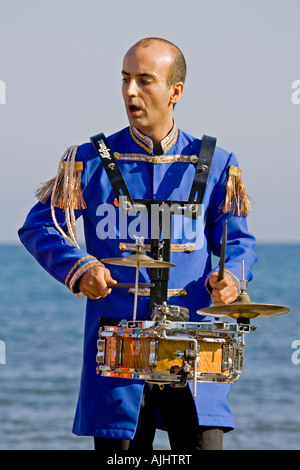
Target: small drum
<point>172,352</point>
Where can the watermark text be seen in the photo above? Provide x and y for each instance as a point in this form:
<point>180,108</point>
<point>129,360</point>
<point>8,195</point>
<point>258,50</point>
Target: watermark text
<point>296,94</point>
<point>296,353</point>
<point>2,352</point>
<point>170,221</point>
<point>159,460</point>
<point>2,92</point>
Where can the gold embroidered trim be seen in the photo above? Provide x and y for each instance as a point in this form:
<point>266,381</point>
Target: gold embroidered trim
<point>148,147</point>
<point>78,166</point>
<point>82,270</point>
<point>146,143</point>
<point>170,140</point>
<point>235,171</point>
<point>174,247</point>
<point>77,264</point>
<point>156,160</point>
<point>145,292</point>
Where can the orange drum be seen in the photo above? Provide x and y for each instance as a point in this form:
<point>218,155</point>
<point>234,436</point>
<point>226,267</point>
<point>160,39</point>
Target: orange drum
<point>172,351</point>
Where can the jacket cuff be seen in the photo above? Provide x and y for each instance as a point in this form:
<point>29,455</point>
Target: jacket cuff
<point>79,268</point>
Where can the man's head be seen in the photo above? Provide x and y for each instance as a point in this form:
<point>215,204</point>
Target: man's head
<point>153,72</point>
<point>177,70</point>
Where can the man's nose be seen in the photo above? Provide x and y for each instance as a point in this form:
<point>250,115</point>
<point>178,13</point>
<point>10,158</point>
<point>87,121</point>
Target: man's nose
<point>132,89</point>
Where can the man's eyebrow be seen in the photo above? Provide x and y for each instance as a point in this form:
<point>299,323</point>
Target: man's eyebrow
<point>144,74</point>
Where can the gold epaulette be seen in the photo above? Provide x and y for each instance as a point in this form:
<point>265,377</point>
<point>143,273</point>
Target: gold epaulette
<point>237,202</point>
<point>65,188</point>
<point>65,192</point>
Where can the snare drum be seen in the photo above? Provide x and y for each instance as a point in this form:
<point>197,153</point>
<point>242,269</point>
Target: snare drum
<point>172,351</point>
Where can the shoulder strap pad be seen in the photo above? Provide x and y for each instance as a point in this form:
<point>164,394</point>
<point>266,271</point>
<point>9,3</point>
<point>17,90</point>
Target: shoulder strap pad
<point>113,172</point>
<point>207,150</point>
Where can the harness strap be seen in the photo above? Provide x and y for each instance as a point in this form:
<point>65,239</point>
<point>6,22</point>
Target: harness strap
<point>160,247</point>
<point>207,150</point>
<point>113,172</point>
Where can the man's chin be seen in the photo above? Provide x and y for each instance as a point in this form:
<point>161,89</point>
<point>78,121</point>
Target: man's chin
<point>133,121</point>
<point>138,124</point>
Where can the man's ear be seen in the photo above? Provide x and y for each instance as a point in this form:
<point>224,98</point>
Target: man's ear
<point>177,90</point>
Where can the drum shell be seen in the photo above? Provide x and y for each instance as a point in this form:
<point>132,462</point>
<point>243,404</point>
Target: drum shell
<point>128,352</point>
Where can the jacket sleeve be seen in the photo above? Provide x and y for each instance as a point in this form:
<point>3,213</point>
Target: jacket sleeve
<point>240,243</point>
<point>54,252</point>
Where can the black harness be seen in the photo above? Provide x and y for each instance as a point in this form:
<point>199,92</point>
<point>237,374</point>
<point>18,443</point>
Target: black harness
<point>160,245</point>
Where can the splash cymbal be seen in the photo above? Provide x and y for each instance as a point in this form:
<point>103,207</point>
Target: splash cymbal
<point>138,259</point>
<point>247,310</point>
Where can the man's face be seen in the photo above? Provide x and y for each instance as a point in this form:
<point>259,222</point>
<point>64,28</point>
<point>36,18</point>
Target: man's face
<point>147,97</point>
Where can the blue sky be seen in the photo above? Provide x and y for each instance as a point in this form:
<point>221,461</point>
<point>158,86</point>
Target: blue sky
<point>61,63</point>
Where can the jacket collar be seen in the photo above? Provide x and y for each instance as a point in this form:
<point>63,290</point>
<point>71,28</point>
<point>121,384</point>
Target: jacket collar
<point>146,142</point>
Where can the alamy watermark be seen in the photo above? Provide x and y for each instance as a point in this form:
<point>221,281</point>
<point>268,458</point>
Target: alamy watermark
<point>148,224</point>
<point>296,353</point>
<point>2,92</point>
<point>2,352</point>
<point>296,94</point>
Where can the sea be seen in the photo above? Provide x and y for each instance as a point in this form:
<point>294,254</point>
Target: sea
<point>41,337</point>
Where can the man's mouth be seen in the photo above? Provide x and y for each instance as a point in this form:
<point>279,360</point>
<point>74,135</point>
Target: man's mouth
<point>134,110</point>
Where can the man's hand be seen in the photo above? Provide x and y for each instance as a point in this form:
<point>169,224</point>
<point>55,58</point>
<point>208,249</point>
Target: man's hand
<point>224,291</point>
<point>93,283</point>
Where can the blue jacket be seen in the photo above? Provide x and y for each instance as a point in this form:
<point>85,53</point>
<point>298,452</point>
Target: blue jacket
<point>109,407</point>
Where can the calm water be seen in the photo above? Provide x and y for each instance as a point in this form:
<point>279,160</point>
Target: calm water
<point>41,325</point>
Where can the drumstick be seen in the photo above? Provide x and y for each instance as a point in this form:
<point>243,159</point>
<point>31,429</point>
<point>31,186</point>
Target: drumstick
<point>127,286</point>
<point>136,292</point>
<point>223,252</point>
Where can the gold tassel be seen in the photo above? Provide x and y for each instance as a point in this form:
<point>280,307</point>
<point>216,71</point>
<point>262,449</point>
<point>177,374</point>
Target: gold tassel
<point>65,192</point>
<point>72,199</point>
<point>44,190</point>
<point>237,201</point>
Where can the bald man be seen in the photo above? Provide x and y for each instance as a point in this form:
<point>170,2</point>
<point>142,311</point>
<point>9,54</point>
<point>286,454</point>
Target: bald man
<point>158,163</point>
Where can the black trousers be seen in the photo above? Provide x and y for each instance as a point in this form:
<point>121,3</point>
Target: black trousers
<point>178,412</point>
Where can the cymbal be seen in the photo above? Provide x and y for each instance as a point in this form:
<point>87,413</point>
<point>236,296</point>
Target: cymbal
<point>138,259</point>
<point>247,310</point>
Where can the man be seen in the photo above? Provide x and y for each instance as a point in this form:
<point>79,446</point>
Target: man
<point>157,162</point>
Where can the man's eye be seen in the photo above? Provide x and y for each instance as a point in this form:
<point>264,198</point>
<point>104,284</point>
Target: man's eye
<point>145,81</point>
<point>125,80</point>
